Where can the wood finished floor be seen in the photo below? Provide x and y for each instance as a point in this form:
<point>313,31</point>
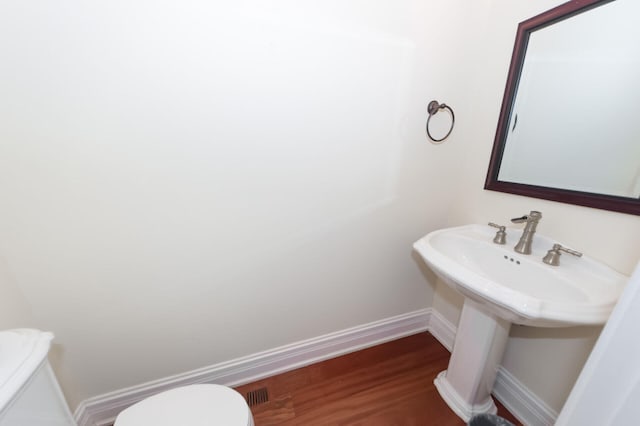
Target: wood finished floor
<point>386,385</point>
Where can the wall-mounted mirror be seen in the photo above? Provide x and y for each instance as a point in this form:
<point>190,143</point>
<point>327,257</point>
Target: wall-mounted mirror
<point>569,128</point>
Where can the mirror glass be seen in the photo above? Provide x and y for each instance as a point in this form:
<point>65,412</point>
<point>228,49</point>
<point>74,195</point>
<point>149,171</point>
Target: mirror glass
<point>569,128</point>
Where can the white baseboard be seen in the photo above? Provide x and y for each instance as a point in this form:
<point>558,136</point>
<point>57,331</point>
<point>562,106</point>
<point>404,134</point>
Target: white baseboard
<point>521,402</point>
<point>102,409</point>
<point>443,330</point>
<point>516,397</point>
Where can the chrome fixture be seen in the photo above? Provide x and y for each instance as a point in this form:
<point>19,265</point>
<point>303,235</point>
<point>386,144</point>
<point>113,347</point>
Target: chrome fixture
<point>532,219</point>
<point>501,235</point>
<point>553,256</point>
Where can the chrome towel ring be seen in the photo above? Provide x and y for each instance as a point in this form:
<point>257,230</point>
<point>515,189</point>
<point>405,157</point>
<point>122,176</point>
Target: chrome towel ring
<point>432,109</point>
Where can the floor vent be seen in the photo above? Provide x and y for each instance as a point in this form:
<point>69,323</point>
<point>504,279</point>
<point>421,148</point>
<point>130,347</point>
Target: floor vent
<point>258,396</point>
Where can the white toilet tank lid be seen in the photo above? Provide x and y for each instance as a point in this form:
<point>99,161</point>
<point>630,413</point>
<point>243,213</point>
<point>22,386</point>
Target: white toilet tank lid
<point>193,405</point>
<point>21,353</point>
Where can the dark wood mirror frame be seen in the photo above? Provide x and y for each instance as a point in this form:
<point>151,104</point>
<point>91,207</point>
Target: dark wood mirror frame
<point>525,28</point>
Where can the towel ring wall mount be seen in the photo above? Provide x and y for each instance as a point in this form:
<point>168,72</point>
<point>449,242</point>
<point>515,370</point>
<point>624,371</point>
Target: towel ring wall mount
<point>433,108</point>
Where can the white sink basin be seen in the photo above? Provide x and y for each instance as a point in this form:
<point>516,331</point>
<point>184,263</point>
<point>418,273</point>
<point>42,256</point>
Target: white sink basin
<point>521,288</point>
<point>504,287</point>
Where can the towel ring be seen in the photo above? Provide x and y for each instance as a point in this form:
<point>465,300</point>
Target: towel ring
<point>432,109</point>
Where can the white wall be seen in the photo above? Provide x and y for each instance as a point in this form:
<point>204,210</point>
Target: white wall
<point>545,360</point>
<point>15,310</point>
<point>184,183</point>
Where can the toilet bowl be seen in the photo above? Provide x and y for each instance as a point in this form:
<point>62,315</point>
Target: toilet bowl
<point>194,405</point>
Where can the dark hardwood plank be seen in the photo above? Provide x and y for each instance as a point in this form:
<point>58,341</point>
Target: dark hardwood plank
<point>386,385</point>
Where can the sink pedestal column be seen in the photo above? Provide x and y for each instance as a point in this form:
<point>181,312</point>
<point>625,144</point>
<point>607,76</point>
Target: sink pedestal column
<point>480,343</point>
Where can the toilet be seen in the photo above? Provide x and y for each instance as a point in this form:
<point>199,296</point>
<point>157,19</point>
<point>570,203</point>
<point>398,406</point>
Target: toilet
<point>194,405</point>
<point>30,394</point>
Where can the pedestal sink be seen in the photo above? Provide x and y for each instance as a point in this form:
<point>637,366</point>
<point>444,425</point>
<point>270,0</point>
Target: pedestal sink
<point>502,287</point>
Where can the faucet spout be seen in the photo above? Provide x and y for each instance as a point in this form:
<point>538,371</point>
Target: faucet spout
<point>532,219</point>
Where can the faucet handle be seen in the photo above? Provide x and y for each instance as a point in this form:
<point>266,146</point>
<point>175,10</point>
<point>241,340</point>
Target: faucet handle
<point>501,235</point>
<point>568,250</point>
<point>521,219</point>
<point>553,256</point>
<point>534,215</point>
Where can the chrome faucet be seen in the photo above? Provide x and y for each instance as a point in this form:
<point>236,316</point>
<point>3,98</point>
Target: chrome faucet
<point>532,219</point>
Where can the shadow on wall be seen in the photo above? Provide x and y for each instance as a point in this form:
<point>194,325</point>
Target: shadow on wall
<point>426,272</point>
<point>16,311</point>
